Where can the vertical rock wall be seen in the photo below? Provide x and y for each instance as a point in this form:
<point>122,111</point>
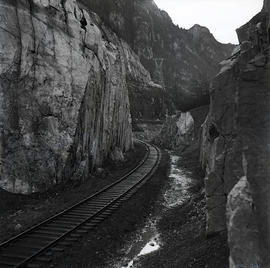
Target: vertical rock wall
<point>148,101</point>
<point>182,61</point>
<point>235,149</point>
<point>63,93</point>
<point>177,132</point>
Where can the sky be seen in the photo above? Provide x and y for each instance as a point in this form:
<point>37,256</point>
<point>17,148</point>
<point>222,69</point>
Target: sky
<point>221,17</point>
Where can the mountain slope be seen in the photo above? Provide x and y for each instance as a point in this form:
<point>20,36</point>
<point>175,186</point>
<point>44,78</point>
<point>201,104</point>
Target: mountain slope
<point>183,61</point>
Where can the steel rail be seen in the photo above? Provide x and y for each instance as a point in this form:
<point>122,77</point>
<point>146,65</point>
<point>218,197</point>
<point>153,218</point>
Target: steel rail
<point>109,202</point>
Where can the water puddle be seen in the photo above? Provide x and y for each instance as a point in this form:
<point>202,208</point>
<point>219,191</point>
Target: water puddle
<point>148,239</point>
<point>147,242</point>
<point>151,246</point>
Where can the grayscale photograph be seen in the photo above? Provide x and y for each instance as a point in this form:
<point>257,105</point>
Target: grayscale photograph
<point>134,134</point>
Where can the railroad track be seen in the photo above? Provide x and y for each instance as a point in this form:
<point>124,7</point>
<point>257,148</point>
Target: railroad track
<point>37,246</point>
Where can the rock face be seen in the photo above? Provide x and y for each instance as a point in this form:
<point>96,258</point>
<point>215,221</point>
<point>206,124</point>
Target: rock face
<point>181,60</point>
<point>242,235</point>
<point>235,147</point>
<point>64,103</point>
<point>182,130</point>
<point>177,132</point>
<point>148,101</point>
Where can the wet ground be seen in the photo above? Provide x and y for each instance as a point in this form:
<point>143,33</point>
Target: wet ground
<point>19,212</point>
<point>180,182</point>
<point>162,225</point>
<point>174,233</point>
<point>148,239</point>
<point>112,239</point>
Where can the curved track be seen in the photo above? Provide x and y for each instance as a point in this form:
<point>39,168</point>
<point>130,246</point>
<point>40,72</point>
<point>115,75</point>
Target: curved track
<point>36,247</point>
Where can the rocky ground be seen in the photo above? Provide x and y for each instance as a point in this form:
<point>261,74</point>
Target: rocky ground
<point>178,217</point>
<point>182,228</point>
<point>174,216</point>
<point>176,224</point>
<point>108,241</point>
<point>175,219</point>
<point>167,215</point>
<point>18,212</point>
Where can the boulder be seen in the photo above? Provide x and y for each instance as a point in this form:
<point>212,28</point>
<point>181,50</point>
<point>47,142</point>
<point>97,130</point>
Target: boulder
<point>117,155</point>
<point>242,229</point>
<point>177,131</point>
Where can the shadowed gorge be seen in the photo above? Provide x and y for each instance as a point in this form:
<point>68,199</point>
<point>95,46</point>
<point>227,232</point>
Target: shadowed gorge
<point>236,155</point>
<point>182,61</point>
<point>127,141</point>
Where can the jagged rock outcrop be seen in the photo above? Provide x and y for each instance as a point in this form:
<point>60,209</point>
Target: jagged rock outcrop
<point>148,101</point>
<point>235,145</point>
<point>182,130</point>
<point>177,132</point>
<point>64,103</point>
<point>181,60</point>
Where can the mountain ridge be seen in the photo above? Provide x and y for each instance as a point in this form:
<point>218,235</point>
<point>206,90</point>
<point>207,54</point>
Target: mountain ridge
<point>176,61</point>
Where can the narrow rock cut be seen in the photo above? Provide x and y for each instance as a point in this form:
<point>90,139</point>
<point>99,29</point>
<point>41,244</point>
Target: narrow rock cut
<point>235,149</point>
<point>64,103</point>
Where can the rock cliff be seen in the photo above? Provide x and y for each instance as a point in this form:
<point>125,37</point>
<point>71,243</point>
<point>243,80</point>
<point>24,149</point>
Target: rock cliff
<point>64,103</point>
<point>177,132</point>
<point>181,131</point>
<point>183,61</point>
<point>235,149</point>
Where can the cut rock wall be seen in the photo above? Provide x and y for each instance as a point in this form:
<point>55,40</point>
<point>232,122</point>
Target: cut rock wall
<point>182,61</point>
<point>177,132</point>
<point>235,148</point>
<point>64,103</point>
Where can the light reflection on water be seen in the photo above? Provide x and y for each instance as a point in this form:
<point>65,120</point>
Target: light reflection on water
<point>178,193</point>
<point>148,242</point>
<point>149,239</point>
<point>151,246</point>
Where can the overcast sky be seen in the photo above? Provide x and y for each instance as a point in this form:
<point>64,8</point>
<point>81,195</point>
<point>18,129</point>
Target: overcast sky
<point>222,17</point>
